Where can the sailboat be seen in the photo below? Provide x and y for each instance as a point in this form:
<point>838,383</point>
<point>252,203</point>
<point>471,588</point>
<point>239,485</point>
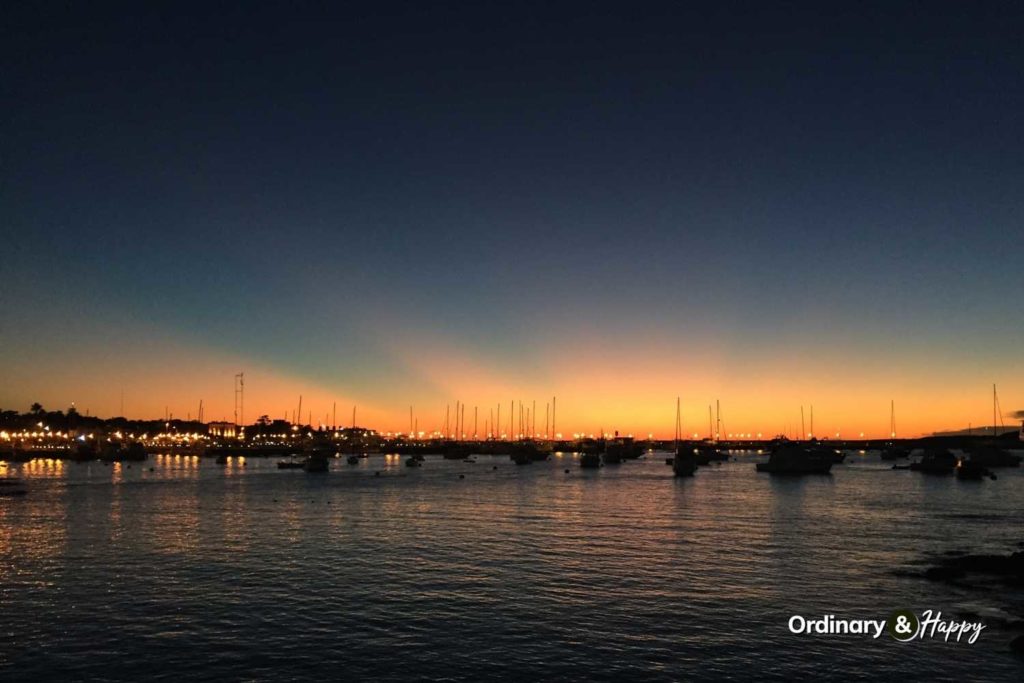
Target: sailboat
<point>893,452</point>
<point>990,454</point>
<point>708,451</point>
<point>684,464</point>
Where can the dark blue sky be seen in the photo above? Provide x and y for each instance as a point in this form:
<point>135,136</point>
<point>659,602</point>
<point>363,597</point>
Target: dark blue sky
<point>762,181</point>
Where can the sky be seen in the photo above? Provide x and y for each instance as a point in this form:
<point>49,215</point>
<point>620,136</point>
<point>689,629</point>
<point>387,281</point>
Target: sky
<point>387,205</point>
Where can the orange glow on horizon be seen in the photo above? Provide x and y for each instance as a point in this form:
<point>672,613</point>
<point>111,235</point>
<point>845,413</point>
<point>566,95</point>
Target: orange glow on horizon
<point>624,384</point>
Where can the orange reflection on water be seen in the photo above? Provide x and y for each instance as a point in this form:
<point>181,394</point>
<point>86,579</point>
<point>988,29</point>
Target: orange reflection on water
<point>39,468</point>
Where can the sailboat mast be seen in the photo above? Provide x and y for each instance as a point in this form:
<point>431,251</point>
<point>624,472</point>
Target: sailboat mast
<point>679,424</point>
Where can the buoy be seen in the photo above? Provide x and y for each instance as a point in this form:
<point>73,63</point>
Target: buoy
<point>567,471</point>
<point>376,474</point>
<point>462,476</point>
<point>495,467</point>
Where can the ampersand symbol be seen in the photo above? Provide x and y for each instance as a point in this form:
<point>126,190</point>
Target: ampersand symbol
<point>902,625</point>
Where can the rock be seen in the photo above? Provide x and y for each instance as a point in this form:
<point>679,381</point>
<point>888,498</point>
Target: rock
<point>1009,568</point>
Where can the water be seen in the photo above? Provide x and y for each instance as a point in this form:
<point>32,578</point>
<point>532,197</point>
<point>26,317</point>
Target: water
<point>206,571</point>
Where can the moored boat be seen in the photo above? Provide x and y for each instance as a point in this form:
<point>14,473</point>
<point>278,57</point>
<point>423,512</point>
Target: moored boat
<point>317,462</point>
<point>706,452</point>
<point>894,453</point>
<point>796,458</point>
<point>935,461</point>
<point>684,461</point>
<point>969,470</point>
<point>527,450</point>
<point>620,448</point>
<point>684,464</point>
<point>520,457</point>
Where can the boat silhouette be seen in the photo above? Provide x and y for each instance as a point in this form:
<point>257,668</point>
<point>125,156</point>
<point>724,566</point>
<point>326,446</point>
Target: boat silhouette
<point>969,470</point>
<point>935,461</point>
<point>619,449</point>
<point>790,457</point>
<point>684,462</point>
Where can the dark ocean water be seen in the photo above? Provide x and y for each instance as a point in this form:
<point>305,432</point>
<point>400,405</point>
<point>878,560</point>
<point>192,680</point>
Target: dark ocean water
<point>195,570</point>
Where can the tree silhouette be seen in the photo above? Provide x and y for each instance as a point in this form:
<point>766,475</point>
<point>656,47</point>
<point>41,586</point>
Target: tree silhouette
<point>36,408</point>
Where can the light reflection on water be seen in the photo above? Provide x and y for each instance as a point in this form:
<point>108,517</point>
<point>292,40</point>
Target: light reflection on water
<point>179,566</point>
